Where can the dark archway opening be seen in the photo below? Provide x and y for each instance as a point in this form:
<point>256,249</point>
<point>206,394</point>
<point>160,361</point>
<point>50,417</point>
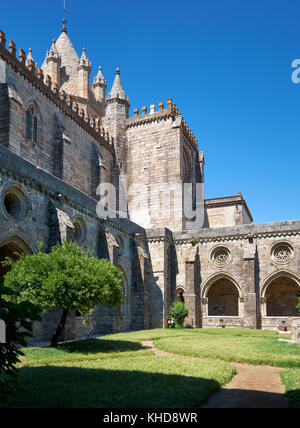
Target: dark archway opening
<point>223,299</point>
<point>180,295</point>
<point>11,250</point>
<point>281,296</point>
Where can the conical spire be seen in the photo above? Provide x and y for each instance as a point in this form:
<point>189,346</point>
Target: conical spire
<point>84,60</point>
<point>29,56</point>
<point>117,90</point>
<point>99,78</point>
<point>29,60</point>
<point>53,53</point>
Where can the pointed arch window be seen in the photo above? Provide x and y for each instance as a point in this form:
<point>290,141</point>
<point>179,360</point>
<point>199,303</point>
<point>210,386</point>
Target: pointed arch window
<point>28,124</point>
<point>32,125</point>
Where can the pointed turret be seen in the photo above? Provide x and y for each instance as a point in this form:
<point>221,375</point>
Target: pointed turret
<point>84,73</point>
<point>53,62</point>
<point>29,56</point>
<point>117,113</point>
<point>99,86</point>
<point>30,64</point>
<point>84,60</point>
<point>53,53</point>
<point>117,90</point>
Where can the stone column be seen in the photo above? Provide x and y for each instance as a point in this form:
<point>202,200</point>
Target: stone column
<point>250,298</point>
<point>143,265</point>
<point>113,252</point>
<point>159,276</point>
<point>191,297</point>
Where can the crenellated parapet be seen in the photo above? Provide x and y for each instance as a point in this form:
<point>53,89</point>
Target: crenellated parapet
<point>162,114</point>
<point>29,70</point>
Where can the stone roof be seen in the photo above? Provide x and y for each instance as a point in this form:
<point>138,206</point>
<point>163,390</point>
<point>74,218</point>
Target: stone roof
<point>228,200</point>
<point>69,58</point>
<point>117,90</point>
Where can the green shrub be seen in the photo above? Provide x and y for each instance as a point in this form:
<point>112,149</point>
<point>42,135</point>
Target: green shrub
<point>18,318</point>
<point>179,312</point>
<point>67,278</point>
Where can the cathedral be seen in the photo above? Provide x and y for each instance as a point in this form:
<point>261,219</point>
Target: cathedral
<point>76,165</point>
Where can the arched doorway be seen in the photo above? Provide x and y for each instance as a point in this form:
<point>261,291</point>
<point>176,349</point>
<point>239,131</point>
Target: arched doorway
<point>180,292</point>
<point>281,297</point>
<point>11,248</point>
<point>223,299</point>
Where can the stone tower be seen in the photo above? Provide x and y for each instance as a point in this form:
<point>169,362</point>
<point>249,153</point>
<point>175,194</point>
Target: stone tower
<point>53,62</point>
<point>84,75</point>
<point>99,86</point>
<point>117,113</point>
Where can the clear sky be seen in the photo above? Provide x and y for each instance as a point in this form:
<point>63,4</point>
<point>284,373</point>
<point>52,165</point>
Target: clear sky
<point>225,63</point>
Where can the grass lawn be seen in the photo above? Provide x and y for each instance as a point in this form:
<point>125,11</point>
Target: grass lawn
<point>114,371</point>
<point>253,347</point>
<point>291,380</point>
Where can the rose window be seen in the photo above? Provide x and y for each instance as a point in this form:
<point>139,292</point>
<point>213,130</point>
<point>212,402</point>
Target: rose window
<point>221,256</point>
<point>282,253</point>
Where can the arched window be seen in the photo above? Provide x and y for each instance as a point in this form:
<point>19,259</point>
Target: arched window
<point>32,124</point>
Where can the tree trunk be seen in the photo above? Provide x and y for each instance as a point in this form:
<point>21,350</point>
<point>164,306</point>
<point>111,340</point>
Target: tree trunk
<point>59,329</point>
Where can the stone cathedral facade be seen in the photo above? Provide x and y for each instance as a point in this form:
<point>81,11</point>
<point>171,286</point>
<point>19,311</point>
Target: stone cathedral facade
<point>61,137</point>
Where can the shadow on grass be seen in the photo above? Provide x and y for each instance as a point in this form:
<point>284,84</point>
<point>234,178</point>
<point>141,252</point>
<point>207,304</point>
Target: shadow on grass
<point>294,399</point>
<point>74,387</point>
<point>246,399</point>
<point>95,346</point>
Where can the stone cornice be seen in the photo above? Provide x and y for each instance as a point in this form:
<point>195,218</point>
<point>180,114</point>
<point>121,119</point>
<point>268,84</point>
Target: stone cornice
<point>237,237</point>
<point>120,101</point>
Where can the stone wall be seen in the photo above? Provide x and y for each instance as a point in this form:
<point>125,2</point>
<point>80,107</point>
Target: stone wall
<point>41,205</point>
<point>66,144</point>
<point>161,157</point>
<point>260,261</point>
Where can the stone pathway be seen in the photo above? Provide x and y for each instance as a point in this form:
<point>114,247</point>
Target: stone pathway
<point>253,387</point>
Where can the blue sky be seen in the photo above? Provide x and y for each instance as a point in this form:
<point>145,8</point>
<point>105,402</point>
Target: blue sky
<point>225,63</point>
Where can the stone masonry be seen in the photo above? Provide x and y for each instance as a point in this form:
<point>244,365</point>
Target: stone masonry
<point>61,137</point>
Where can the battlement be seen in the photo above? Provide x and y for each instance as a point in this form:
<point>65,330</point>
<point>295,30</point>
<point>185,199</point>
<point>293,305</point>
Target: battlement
<point>161,114</point>
<point>30,71</point>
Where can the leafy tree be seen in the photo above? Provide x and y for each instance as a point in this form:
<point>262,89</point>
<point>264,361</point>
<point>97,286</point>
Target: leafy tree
<point>67,278</point>
<point>179,312</point>
<point>19,320</point>
<point>298,307</point>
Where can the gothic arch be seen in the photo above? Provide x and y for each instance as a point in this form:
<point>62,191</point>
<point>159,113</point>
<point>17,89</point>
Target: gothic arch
<point>186,166</point>
<point>19,242</point>
<point>180,293</point>
<point>278,295</point>
<point>275,275</point>
<point>33,122</point>
<point>33,104</point>
<point>10,247</point>
<point>216,277</point>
